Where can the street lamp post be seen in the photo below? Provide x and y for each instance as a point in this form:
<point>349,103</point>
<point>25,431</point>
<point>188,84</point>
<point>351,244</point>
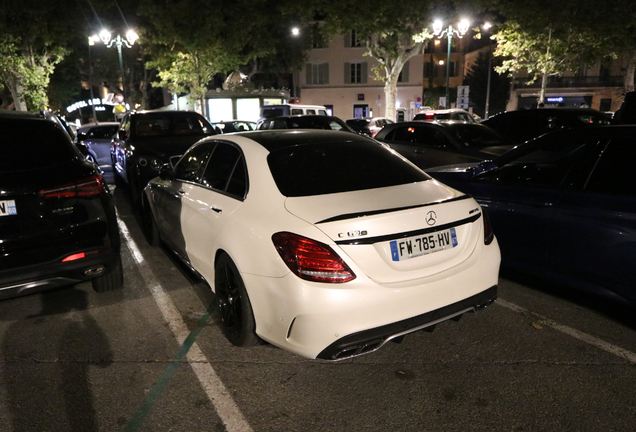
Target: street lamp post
<point>131,37</point>
<point>487,26</point>
<point>449,32</point>
<point>91,41</point>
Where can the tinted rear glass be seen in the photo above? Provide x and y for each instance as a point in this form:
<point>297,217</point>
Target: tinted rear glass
<point>317,169</point>
<point>474,135</point>
<point>102,132</point>
<point>166,125</point>
<point>273,112</point>
<point>32,144</point>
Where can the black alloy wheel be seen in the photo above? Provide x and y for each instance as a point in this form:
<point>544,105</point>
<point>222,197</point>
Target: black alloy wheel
<point>233,304</point>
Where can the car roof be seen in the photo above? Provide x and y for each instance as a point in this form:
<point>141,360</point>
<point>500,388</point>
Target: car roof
<point>282,138</point>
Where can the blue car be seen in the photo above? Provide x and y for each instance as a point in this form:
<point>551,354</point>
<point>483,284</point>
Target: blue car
<point>563,206</point>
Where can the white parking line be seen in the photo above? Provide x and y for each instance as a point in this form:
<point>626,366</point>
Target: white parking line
<point>606,346</point>
<point>223,403</point>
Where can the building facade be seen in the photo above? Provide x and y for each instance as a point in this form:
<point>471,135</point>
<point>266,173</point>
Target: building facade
<point>339,76</point>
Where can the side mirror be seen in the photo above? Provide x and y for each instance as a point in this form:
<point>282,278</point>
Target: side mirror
<point>173,160</point>
<point>122,134</point>
<point>81,136</point>
<point>166,172</point>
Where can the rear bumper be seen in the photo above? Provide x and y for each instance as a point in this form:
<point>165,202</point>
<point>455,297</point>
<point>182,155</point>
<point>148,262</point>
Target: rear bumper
<point>371,340</point>
<point>35,278</point>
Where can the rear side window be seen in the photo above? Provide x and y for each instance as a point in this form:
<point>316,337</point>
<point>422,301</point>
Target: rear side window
<point>296,111</point>
<point>33,144</point>
<point>226,171</point>
<point>317,169</point>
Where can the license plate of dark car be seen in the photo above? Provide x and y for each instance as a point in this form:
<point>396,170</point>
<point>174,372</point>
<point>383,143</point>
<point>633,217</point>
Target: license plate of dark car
<point>413,247</point>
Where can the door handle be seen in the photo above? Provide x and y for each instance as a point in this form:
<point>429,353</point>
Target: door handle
<point>181,192</point>
<point>216,209</point>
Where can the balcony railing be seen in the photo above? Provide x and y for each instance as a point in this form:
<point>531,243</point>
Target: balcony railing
<point>570,82</point>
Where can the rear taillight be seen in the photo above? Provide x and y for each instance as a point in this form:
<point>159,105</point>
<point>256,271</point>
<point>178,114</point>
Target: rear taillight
<point>311,260</point>
<point>489,234</point>
<point>85,188</point>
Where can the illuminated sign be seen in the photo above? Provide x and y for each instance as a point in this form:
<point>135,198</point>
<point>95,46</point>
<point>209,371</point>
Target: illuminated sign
<point>89,102</point>
<point>555,99</point>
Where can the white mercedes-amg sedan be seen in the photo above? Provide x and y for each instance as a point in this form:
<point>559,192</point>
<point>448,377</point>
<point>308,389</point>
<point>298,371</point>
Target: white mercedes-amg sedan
<point>323,243</point>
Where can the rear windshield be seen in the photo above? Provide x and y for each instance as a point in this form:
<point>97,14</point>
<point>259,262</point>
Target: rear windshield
<point>477,136</point>
<point>317,169</point>
<point>102,132</point>
<point>273,112</point>
<point>32,144</point>
<point>358,124</point>
<point>167,125</point>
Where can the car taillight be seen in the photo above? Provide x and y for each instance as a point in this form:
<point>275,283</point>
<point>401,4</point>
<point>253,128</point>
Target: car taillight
<point>85,188</point>
<point>311,260</point>
<point>489,234</point>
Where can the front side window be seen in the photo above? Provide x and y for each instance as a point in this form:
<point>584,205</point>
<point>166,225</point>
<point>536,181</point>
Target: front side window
<point>190,166</point>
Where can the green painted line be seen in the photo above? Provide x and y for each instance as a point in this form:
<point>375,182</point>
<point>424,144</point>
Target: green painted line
<point>160,385</point>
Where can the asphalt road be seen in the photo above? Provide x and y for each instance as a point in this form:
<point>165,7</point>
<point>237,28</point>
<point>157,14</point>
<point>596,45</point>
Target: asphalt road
<point>151,358</point>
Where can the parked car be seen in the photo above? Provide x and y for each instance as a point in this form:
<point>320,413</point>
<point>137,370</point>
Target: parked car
<point>304,122</point>
<point>523,125</point>
<point>324,243</point>
<point>563,206</point>
<point>235,126</point>
<point>429,144</point>
<point>147,139</point>
<point>97,138</point>
<point>455,114</point>
<point>369,126</point>
<point>57,220</point>
<point>271,111</point>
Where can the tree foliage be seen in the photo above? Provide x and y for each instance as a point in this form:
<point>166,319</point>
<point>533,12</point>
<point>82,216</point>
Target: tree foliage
<point>393,31</point>
<point>33,35</point>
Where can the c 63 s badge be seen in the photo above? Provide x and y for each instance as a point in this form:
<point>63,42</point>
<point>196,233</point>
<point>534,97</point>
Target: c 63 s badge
<point>352,234</point>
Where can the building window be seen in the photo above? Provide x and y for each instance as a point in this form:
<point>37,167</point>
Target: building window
<point>355,73</point>
<point>606,105</point>
<point>317,73</point>
<point>319,39</point>
<point>404,74</point>
<point>353,39</point>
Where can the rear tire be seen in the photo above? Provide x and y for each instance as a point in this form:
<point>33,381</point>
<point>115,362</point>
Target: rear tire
<point>110,281</point>
<point>233,304</point>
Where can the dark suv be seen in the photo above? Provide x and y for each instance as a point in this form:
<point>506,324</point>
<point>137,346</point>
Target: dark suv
<point>523,125</point>
<point>57,220</point>
<point>146,140</point>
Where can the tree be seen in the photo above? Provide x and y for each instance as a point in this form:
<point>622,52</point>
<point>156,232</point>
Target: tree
<point>393,31</point>
<point>547,38</point>
<point>193,43</point>
<point>556,49</point>
<point>34,33</point>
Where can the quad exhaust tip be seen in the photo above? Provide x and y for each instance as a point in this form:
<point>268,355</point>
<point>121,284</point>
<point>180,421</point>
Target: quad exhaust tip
<point>94,271</point>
